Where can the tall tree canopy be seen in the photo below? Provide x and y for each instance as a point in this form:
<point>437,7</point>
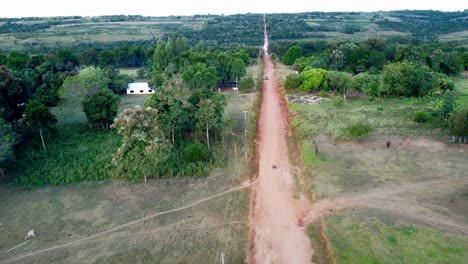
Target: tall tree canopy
<point>291,55</point>
<point>7,141</point>
<point>38,116</point>
<point>143,141</point>
<point>88,81</point>
<point>101,107</point>
<point>11,94</point>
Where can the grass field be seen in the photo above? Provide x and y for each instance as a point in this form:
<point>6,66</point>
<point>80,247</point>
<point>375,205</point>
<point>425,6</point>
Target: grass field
<point>396,214</point>
<point>132,72</point>
<point>368,236</point>
<point>461,87</point>
<point>61,214</point>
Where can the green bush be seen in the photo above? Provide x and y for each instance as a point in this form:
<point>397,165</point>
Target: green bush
<point>421,116</point>
<point>358,130</point>
<point>196,152</point>
<point>323,93</point>
<point>338,101</point>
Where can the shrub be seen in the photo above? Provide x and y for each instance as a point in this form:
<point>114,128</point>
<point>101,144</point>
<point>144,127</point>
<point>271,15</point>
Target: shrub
<point>323,93</point>
<point>458,124</point>
<point>292,81</point>
<point>196,152</point>
<point>421,116</point>
<point>337,101</point>
<point>358,130</point>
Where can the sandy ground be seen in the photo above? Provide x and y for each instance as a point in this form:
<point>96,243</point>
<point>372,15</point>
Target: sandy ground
<point>278,237</point>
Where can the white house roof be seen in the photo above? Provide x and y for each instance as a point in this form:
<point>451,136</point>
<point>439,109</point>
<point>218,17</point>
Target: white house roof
<point>138,86</point>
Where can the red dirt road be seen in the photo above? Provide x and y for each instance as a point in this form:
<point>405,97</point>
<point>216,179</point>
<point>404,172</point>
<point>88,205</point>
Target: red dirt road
<point>277,236</point>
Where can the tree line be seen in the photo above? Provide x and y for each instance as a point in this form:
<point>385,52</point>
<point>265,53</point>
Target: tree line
<point>186,110</point>
<point>376,69</point>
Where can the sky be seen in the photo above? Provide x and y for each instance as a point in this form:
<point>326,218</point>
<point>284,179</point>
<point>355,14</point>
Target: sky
<point>41,8</point>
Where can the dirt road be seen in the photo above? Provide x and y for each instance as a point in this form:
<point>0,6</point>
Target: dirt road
<point>278,237</point>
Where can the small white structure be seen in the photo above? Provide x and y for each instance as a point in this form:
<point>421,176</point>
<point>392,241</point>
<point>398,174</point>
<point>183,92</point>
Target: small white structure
<point>139,88</point>
<point>30,235</point>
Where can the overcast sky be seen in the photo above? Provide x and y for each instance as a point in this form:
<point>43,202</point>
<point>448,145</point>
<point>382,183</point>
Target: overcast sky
<point>28,8</point>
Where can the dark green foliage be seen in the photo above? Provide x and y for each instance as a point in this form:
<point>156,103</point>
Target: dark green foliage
<point>407,79</point>
<point>119,83</point>
<point>38,115</point>
<point>75,154</point>
<point>421,116</point>
<point>237,69</point>
<point>101,107</point>
<point>341,82</point>
<point>358,130</point>
<point>292,82</point>
<point>7,142</point>
<point>458,124</point>
<point>47,95</point>
<point>11,95</point>
<point>247,83</point>
<point>291,55</point>
<point>200,76</point>
<point>368,83</point>
<point>196,152</point>
<point>448,103</point>
<point>302,62</point>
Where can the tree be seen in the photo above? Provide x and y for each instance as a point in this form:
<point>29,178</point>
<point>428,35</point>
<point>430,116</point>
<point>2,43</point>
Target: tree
<point>143,141</point>
<point>119,83</point>
<point>341,82</point>
<point>247,83</point>
<point>458,124</point>
<point>171,102</point>
<point>368,83</point>
<point>11,95</point>
<point>206,118</point>
<point>302,62</point>
<point>292,82</point>
<point>38,116</point>
<point>448,104</point>
<point>200,76</point>
<point>224,62</point>
<point>7,141</point>
<point>237,69</point>
<point>87,82</point>
<point>314,79</point>
<point>101,107</point>
<point>291,55</point>
<point>406,79</point>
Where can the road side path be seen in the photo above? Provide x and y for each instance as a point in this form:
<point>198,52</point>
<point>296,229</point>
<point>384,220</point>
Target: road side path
<point>278,237</point>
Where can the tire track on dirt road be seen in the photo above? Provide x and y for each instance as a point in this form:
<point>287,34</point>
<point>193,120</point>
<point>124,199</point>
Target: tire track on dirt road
<point>387,198</point>
<point>277,237</point>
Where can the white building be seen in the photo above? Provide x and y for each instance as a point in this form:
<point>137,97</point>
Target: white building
<point>139,88</point>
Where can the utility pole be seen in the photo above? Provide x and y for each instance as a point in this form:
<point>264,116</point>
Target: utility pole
<point>222,257</point>
<point>245,133</point>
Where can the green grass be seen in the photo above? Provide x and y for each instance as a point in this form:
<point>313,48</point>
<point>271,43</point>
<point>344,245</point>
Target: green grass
<point>461,87</point>
<point>395,116</point>
<point>369,236</point>
<point>77,153</point>
<point>129,71</point>
<point>74,154</point>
